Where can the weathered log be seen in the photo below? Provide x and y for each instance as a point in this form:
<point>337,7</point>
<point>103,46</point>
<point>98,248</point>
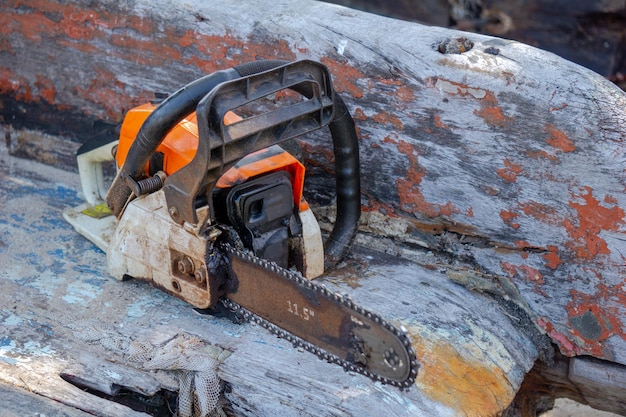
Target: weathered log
<point>63,316</point>
<point>588,32</point>
<point>500,168</point>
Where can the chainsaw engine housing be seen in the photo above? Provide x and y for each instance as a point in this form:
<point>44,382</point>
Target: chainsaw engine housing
<point>259,200</point>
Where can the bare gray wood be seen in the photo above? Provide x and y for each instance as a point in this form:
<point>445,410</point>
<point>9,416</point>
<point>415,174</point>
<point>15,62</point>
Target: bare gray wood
<point>62,314</point>
<point>16,401</point>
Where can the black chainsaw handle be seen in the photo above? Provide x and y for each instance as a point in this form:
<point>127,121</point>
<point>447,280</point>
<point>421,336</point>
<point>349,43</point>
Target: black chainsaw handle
<point>192,97</point>
<point>154,129</point>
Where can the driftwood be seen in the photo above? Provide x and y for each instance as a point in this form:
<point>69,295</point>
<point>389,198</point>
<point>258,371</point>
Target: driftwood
<point>588,32</point>
<point>493,185</point>
<point>465,339</point>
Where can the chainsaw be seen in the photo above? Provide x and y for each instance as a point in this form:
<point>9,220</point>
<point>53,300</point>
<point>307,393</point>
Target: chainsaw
<point>207,205</point>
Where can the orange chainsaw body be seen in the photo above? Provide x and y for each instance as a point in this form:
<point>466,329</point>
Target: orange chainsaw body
<point>179,147</point>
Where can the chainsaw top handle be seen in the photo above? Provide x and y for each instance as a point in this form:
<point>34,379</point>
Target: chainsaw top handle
<point>221,145</point>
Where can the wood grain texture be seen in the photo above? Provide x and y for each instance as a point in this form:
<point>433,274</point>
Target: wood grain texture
<point>473,355</point>
<point>590,33</point>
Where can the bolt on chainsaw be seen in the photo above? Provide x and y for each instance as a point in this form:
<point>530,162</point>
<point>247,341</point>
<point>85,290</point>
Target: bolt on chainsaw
<point>208,205</point>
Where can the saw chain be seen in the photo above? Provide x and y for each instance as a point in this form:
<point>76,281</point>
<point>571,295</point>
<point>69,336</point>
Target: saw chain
<point>391,360</point>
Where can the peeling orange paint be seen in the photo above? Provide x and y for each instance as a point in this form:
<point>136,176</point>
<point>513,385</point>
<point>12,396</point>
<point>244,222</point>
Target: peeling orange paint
<point>374,205</point>
<point>411,198</point>
<point>345,77</point>
<point>522,244</point>
<point>542,154</point>
<point>508,217</point>
<point>85,48</point>
<point>566,345</point>
<point>552,257</point>
<point>438,122</point>
<point>471,387</point>
<point>386,118</point>
<point>593,218</point>
<point>510,171</point>
<point>16,84</point>
<point>559,140</point>
<point>105,90</point>
<point>46,89</point>
<point>161,53</point>
<point>525,272</point>
<point>491,112</point>
<point>80,24</point>
<point>30,26</point>
<point>599,321</point>
<point>131,38</point>
<point>542,212</point>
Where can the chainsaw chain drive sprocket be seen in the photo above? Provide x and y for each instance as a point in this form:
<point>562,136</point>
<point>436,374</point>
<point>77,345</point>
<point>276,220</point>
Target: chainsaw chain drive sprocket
<point>300,343</point>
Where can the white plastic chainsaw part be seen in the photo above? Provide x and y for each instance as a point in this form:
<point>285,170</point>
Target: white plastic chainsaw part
<point>97,229</point>
<point>92,219</point>
<point>148,244</point>
<point>312,246</point>
<point>91,174</point>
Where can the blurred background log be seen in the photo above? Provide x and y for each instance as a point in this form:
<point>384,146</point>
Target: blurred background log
<point>591,33</point>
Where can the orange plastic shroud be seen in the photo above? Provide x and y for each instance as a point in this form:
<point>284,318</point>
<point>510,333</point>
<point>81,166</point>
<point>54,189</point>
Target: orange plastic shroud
<point>180,145</point>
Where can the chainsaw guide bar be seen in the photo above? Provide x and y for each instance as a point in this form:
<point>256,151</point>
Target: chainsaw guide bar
<point>324,323</point>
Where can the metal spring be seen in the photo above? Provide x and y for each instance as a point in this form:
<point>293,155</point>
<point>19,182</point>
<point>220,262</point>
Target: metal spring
<point>150,185</point>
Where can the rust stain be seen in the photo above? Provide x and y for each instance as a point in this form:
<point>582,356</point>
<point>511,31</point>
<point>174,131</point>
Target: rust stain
<point>510,171</point>
<point>558,139</point>
<point>405,93</point>
<point>345,77</point>
<point>593,218</point>
<point>471,387</point>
